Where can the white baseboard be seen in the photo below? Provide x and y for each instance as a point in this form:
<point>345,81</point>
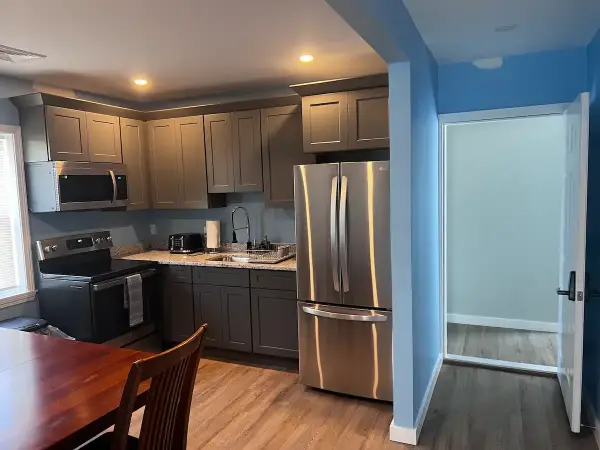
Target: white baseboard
<point>515,324</point>
<point>411,435</point>
<point>591,413</point>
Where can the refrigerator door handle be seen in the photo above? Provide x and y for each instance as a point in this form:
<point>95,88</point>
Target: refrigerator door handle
<point>344,233</point>
<point>335,269</point>
<point>340,316</point>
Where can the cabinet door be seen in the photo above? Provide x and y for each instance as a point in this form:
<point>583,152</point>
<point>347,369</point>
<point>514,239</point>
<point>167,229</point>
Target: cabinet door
<point>247,158</point>
<point>274,323</point>
<point>135,157</point>
<point>219,154</point>
<point>104,138</point>
<point>281,130</point>
<point>325,122</point>
<point>189,135</point>
<point>164,164</point>
<point>67,134</point>
<point>207,309</point>
<point>237,327</point>
<point>368,119</point>
<point>178,306</point>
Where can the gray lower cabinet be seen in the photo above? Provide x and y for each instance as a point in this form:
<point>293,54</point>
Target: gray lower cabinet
<point>178,309</point>
<point>274,323</point>
<point>237,322</point>
<point>207,309</point>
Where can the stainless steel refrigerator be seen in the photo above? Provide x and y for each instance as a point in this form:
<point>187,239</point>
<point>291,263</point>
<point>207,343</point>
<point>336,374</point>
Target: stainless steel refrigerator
<point>344,277</point>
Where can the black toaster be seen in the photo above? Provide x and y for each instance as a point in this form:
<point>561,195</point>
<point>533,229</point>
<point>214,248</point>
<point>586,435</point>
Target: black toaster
<point>186,243</point>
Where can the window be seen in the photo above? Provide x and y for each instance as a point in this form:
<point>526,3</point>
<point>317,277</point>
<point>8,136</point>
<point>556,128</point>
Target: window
<point>16,275</point>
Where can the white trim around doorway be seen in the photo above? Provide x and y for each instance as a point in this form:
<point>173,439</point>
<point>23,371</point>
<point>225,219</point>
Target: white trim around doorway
<point>464,117</point>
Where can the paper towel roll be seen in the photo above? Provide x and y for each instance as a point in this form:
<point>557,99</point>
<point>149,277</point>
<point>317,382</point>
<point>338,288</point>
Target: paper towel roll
<point>213,234</point>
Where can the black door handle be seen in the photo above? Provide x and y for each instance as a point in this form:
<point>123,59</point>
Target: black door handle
<point>571,292</point>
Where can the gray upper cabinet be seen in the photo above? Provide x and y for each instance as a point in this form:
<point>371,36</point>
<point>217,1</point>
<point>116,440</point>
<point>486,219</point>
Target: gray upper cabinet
<point>104,138</point>
<point>325,122</point>
<point>281,130</point>
<point>189,136</point>
<point>346,121</point>
<point>219,153</point>
<point>67,134</point>
<point>368,119</point>
<point>178,163</point>
<point>135,157</point>
<point>246,145</point>
<point>164,163</point>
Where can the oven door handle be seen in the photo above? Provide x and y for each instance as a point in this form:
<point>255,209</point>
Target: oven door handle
<point>114,184</point>
<point>97,287</point>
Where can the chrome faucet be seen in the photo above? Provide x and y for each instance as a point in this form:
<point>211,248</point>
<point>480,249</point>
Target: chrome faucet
<point>247,227</point>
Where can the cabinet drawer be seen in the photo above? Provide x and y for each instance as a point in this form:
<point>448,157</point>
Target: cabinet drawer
<point>218,276</point>
<point>273,279</point>
<point>178,274</point>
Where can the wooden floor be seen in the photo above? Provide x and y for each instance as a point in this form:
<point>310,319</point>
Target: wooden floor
<point>242,407</point>
<point>503,344</point>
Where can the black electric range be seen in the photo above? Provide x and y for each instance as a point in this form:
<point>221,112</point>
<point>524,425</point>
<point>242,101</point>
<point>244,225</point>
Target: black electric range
<point>83,291</point>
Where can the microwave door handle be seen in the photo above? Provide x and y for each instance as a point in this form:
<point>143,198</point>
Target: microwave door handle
<point>114,183</point>
<point>333,238</point>
<point>344,233</point>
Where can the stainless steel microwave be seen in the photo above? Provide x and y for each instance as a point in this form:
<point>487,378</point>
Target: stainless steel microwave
<point>75,186</point>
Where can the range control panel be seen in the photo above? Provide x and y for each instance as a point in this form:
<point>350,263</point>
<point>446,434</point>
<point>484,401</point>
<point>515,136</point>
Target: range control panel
<point>69,245</point>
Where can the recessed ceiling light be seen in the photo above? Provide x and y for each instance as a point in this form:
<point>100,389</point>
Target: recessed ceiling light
<point>306,58</point>
<point>141,82</point>
<point>505,28</point>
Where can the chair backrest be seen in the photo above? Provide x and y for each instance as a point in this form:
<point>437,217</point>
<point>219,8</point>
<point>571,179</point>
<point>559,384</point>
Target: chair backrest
<point>167,412</point>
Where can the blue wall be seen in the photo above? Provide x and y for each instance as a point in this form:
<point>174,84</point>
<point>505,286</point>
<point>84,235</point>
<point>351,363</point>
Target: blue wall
<point>388,28</point>
<point>524,80</point>
<point>591,344</point>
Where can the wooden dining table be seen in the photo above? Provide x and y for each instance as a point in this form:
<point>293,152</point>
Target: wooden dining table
<point>56,393</point>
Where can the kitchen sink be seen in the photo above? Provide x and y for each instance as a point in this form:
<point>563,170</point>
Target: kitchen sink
<point>229,258</point>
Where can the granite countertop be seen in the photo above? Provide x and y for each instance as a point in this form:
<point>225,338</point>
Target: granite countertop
<point>202,260</point>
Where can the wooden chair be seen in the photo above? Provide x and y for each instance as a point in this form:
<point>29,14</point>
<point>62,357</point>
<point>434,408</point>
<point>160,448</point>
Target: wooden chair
<point>165,422</point>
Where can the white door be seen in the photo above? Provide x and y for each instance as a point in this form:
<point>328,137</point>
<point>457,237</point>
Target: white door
<point>572,259</point>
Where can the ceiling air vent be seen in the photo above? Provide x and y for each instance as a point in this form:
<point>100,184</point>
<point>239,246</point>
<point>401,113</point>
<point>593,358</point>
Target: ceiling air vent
<point>15,55</point>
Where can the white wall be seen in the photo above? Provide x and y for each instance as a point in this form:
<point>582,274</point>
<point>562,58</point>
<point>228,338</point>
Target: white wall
<point>504,191</point>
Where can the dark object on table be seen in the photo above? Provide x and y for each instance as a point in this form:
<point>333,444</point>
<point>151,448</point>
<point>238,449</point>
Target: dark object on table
<point>32,325</point>
<point>186,243</point>
<point>167,413</point>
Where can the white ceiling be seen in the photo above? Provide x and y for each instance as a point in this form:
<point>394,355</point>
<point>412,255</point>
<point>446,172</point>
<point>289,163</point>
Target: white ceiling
<point>184,47</point>
<point>463,30</point>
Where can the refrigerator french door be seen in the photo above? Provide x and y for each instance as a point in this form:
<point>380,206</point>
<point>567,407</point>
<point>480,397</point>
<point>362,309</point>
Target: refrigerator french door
<point>344,278</point>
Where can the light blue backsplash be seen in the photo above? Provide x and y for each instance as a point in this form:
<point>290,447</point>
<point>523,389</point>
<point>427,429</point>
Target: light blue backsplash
<point>388,28</point>
<point>276,223</point>
<point>524,80</point>
<point>591,343</point>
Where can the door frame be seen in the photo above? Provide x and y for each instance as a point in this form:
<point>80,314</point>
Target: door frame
<point>465,117</point>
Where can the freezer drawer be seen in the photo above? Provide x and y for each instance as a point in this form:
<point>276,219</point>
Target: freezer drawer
<point>347,350</point>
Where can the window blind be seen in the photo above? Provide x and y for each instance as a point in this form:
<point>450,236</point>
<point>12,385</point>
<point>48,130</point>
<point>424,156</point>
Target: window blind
<point>9,217</point>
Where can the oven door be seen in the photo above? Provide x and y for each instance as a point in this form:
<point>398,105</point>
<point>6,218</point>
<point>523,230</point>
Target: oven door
<point>110,312</point>
<point>90,186</point>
